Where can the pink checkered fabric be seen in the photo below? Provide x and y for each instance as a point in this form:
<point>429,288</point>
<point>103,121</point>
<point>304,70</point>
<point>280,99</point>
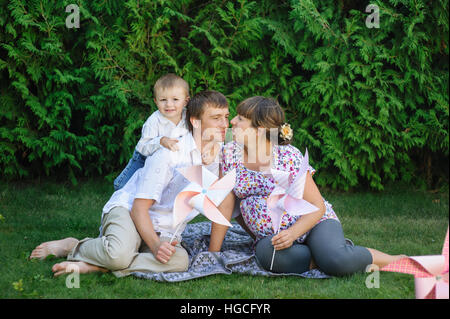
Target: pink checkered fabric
<point>445,252</point>
<point>407,266</point>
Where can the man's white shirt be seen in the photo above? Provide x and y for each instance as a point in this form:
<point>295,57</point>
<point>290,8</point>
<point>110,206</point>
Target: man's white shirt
<point>159,180</point>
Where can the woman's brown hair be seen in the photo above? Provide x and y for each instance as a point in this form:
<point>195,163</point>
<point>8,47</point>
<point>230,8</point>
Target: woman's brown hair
<point>264,112</point>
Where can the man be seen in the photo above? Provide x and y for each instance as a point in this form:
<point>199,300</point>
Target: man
<point>137,220</point>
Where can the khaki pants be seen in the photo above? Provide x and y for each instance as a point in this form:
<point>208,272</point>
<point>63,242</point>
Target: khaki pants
<point>122,250</point>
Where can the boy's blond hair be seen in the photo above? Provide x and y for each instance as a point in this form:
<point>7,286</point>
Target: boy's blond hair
<point>168,81</point>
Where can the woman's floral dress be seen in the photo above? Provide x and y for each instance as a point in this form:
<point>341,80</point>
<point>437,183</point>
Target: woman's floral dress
<point>253,188</point>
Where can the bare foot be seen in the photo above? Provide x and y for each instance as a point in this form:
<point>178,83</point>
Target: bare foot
<point>388,261</point>
<point>80,267</point>
<point>59,248</point>
<point>394,258</point>
<point>381,259</point>
<point>397,257</point>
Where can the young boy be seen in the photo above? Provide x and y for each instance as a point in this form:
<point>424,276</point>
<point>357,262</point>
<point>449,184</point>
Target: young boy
<point>163,127</point>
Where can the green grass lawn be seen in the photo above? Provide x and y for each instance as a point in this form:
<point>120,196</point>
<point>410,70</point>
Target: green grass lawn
<point>395,221</point>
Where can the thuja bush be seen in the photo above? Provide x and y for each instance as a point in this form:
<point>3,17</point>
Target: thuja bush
<point>369,103</point>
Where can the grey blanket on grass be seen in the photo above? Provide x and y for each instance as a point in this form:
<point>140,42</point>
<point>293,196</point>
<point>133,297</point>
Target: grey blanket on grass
<point>237,256</point>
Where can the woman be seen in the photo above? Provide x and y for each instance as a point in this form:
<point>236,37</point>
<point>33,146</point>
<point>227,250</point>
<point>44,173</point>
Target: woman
<point>306,242</point>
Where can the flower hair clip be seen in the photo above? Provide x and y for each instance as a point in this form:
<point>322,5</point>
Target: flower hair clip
<point>286,132</point>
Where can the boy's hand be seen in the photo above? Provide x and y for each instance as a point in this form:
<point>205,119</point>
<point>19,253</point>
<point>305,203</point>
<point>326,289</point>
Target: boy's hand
<point>169,143</point>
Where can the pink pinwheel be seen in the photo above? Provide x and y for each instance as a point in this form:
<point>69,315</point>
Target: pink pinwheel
<point>430,273</point>
<point>203,194</point>
<point>287,196</point>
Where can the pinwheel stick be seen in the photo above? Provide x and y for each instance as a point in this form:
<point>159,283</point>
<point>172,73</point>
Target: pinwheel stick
<point>175,233</point>
<point>273,255</point>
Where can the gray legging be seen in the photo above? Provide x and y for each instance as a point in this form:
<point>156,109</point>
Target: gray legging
<point>325,243</point>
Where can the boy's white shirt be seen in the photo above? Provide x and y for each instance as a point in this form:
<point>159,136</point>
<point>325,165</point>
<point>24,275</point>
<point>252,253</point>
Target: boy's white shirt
<point>157,126</point>
<point>159,180</point>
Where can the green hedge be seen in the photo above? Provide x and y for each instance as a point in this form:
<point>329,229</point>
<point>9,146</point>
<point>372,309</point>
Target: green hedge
<point>370,104</point>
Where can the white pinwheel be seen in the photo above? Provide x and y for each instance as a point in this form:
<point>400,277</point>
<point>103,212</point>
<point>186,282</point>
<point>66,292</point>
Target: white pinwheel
<point>204,194</point>
<point>287,196</point>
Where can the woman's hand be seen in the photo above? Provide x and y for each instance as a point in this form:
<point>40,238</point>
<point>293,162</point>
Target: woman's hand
<point>283,239</point>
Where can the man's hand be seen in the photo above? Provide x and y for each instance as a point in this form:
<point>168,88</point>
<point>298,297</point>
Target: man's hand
<point>163,251</point>
<point>169,143</point>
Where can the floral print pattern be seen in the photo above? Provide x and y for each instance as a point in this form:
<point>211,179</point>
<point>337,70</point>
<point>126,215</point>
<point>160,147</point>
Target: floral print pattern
<point>253,188</point>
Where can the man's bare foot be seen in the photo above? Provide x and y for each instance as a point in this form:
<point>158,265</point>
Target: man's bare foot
<point>59,248</point>
<point>80,267</point>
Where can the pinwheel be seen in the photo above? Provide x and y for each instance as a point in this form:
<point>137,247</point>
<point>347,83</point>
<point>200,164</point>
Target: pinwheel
<point>287,196</point>
<point>430,273</point>
<point>203,194</point>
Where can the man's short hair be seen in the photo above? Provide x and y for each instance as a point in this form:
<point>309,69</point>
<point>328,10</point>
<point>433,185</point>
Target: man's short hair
<point>197,105</point>
<point>169,81</point>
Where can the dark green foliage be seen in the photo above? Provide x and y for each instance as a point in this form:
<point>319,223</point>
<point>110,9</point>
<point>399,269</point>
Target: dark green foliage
<point>370,104</point>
